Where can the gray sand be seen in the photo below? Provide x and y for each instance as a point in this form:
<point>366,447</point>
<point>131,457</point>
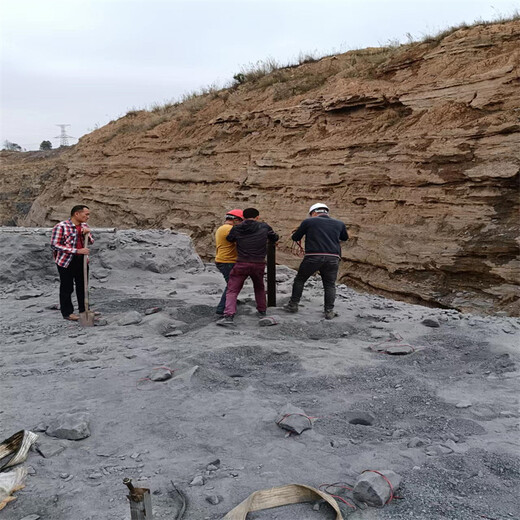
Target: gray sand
<point>444,417</point>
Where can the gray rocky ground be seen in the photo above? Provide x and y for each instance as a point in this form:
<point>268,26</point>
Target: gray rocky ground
<point>444,417</point>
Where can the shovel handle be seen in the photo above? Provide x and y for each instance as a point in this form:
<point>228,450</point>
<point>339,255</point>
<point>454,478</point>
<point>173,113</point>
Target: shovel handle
<point>85,272</point>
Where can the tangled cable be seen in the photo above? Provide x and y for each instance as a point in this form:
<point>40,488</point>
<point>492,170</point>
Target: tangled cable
<point>297,248</point>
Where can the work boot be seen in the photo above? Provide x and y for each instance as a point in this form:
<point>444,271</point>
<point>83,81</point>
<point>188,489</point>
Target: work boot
<point>291,307</point>
<point>226,321</point>
<point>330,314</point>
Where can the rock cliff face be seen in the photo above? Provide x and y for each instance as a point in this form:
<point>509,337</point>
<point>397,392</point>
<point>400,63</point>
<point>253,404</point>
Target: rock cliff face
<point>415,148</point>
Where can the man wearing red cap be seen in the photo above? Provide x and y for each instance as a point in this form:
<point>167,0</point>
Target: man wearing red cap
<point>226,255</point>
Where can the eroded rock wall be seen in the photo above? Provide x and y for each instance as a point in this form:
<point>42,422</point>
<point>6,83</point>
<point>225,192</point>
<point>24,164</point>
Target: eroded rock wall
<point>415,148</point>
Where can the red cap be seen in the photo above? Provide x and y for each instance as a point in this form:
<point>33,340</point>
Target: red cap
<point>236,213</point>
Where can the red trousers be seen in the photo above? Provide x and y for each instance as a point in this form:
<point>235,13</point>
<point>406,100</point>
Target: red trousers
<point>237,277</point>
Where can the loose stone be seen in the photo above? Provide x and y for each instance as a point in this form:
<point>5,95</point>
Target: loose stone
<point>72,426</point>
<point>268,321</point>
<point>161,374</point>
<point>130,318</point>
<point>430,322</point>
<point>373,489</point>
<point>152,310</point>
<point>78,358</point>
<point>416,442</point>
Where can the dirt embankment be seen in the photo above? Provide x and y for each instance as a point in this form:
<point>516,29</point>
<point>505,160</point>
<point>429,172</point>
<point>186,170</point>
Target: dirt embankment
<point>415,148</point>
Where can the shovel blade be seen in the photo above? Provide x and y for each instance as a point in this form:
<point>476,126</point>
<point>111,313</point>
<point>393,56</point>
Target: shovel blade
<point>86,319</point>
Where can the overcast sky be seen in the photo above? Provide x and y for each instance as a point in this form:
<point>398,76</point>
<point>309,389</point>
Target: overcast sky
<point>86,62</point>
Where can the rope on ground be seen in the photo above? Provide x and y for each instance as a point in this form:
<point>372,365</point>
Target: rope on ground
<point>342,485</point>
<point>308,417</point>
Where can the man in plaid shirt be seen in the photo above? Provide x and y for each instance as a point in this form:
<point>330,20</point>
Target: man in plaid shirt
<point>69,249</point>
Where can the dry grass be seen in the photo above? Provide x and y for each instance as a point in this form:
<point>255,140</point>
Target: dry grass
<point>362,62</point>
<point>438,37</point>
<point>131,123</point>
<point>254,71</point>
<point>134,112</point>
<point>301,86</point>
<point>166,107</point>
<point>308,57</point>
<point>185,122</point>
<point>292,80</point>
<point>288,80</point>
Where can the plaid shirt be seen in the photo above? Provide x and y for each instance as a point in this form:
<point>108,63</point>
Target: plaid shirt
<point>63,242</point>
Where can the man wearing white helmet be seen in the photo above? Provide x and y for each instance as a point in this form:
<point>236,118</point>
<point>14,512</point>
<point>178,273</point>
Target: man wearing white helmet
<point>323,235</point>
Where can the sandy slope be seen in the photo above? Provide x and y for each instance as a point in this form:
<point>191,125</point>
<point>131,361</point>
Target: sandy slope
<point>458,393</point>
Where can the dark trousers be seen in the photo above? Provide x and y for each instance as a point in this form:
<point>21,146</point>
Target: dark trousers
<point>73,274</point>
<point>237,278</point>
<point>225,269</point>
<point>327,266</point>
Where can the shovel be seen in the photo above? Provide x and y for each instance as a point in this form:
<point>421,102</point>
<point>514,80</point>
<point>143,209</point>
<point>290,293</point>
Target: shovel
<point>86,319</point>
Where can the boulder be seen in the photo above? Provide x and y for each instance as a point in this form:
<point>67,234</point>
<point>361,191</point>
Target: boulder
<point>294,419</point>
<point>430,322</point>
<point>71,426</point>
<point>374,489</point>
<point>161,374</point>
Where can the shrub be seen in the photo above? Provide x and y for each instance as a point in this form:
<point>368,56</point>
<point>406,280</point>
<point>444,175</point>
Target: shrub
<point>255,71</point>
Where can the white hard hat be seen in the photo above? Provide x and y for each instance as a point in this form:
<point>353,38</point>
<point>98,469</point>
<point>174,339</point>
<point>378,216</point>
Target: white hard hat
<point>318,205</point>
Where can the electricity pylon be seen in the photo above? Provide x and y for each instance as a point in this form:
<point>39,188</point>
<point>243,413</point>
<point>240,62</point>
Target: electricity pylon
<point>63,137</point>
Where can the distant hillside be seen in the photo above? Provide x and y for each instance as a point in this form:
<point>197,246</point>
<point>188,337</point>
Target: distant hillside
<point>415,147</point>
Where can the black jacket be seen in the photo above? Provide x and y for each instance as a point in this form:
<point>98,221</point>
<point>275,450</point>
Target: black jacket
<point>322,235</point>
<point>251,237</point>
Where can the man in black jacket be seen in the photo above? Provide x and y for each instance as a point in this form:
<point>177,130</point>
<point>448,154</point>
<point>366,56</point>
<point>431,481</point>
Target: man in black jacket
<point>251,238</point>
<point>322,253</point>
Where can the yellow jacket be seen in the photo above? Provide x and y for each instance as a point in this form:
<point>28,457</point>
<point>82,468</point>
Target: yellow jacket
<point>226,251</point>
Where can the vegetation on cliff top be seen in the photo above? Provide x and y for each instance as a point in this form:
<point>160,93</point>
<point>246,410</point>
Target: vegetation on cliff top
<point>281,82</point>
<point>361,63</point>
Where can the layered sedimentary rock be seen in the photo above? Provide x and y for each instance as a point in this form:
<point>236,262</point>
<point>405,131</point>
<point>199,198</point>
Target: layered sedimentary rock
<point>415,148</point>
